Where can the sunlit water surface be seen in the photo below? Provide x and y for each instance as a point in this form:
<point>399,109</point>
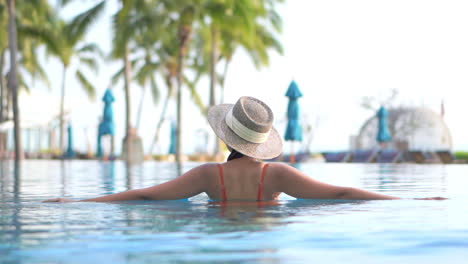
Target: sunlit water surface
<point>196,231</point>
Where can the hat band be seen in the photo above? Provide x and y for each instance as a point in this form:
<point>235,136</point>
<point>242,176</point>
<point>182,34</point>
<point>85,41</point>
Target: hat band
<point>245,132</point>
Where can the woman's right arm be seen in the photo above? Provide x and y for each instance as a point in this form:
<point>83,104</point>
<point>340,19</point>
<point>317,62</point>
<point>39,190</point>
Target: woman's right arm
<point>295,183</point>
<point>130,195</point>
<point>187,185</point>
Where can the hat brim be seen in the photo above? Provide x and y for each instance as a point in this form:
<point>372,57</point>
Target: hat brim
<point>270,149</point>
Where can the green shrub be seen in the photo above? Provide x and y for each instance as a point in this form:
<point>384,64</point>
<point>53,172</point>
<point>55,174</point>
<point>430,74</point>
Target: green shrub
<point>461,155</point>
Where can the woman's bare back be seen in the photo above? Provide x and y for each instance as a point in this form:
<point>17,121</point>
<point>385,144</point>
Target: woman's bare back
<point>242,180</point>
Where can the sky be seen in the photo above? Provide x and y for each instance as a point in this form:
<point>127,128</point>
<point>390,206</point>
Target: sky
<point>338,51</point>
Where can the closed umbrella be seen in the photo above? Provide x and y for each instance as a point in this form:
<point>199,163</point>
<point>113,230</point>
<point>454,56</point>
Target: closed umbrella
<point>99,151</point>
<point>173,145</point>
<point>383,133</point>
<point>70,152</point>
<point>294,128</point>
<point>107,125</point>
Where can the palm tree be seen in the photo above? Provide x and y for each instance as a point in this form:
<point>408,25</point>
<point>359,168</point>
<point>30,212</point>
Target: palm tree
<point>222,16</point>
<point>37,15</point>
<point>167,55</point>
<point>65,40</point>
<point>224,27</point>
<point>212,22</point>
<point>185,27</point>
<point>23,48</point>
<point>149,31</point>
<point>160,39</point>
<point>179,15</point>
<point>29,14</point>
<point>257,47</point>
<point>226,16</point>
<point>3,50</point>
<point>13,80</point>
<point>129,22</point>
<point>255,32</point>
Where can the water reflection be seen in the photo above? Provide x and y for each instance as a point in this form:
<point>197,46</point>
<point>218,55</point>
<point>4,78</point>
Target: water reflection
<point>6,177</point>
<point>402,177</point>
<point>134,173</point>
<point>179,168</point>
<point>17,184</point>
<point>4,174</point>
<point>63,177</point>
<point>197,230</point>
<point>108,176</point>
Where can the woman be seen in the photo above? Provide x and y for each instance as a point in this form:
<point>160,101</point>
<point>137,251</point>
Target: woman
<point>247,129</point>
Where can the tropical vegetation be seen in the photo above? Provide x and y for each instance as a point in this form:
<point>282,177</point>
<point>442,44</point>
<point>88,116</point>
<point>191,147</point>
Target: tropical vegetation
<point>173,43</point>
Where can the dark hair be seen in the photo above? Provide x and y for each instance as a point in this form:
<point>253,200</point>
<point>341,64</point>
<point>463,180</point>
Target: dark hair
<point>235,155</point>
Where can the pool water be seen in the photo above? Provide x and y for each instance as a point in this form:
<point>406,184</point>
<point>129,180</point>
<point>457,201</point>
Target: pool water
<point>197,231</point>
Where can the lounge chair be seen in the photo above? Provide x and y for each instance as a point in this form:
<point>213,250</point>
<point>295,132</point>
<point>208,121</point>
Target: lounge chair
<point>365,156</point>
<point>422,157</point>
<point>336,156</point>
<point>389,156</point>
<point>415,156</point>
<point>431,157</point>
<point>447,157</point>
<point>299,157</point>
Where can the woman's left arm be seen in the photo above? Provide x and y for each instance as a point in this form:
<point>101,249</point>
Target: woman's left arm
<point>189,184</point>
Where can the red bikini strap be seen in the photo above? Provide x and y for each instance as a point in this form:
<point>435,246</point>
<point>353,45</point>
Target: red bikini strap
<point>260,188</point>
<point>223,188</point>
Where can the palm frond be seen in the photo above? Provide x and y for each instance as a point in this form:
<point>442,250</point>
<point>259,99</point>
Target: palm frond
<point>86,85</point>
<point>42,34</point>
<point>63,2</point>
<point>92,48</point>
<point>195,96</point>
<point>155,90</point>
<point>145,72</point>
<point>275,20</point>
<point>123,29</point>
<point>22,85</point>
<point>82,22</point>
<point>35,70</point>
<point>116,77</point>
<point>91,63</point>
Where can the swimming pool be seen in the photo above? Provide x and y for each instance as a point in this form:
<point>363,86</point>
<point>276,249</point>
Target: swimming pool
<point>195,231</point>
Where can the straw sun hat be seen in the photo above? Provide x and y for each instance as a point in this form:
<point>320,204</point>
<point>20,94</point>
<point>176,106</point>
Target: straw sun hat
<point>247,127</point>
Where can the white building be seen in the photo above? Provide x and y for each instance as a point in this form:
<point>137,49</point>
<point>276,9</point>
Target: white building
<point>413,128</point>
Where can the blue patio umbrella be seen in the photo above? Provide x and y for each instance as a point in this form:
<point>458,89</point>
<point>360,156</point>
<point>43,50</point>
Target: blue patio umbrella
<point>383,134</point>
<point>107,125</point>
<point>173,145</point>
<point>294,128</point>
<point>70,152</point>
<point>99,151</point>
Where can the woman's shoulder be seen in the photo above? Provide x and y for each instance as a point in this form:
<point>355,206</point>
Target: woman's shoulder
<point>282,169</point>
<point>207,167</point>
<point>279,166</point>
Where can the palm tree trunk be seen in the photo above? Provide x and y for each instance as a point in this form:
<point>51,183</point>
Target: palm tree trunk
<point>2,87</point>
<point>213,75</point>
<point>184,37</point>
<point>140,108</point>
<point>128,124</point>
<point>162,117</point>
<point>226,67</point>
<point>179,107</point>
<point>8,103</point>
<point>214,60</point>
<point>13,82</point>
<point>62,112</point>
<point>3,100</point>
